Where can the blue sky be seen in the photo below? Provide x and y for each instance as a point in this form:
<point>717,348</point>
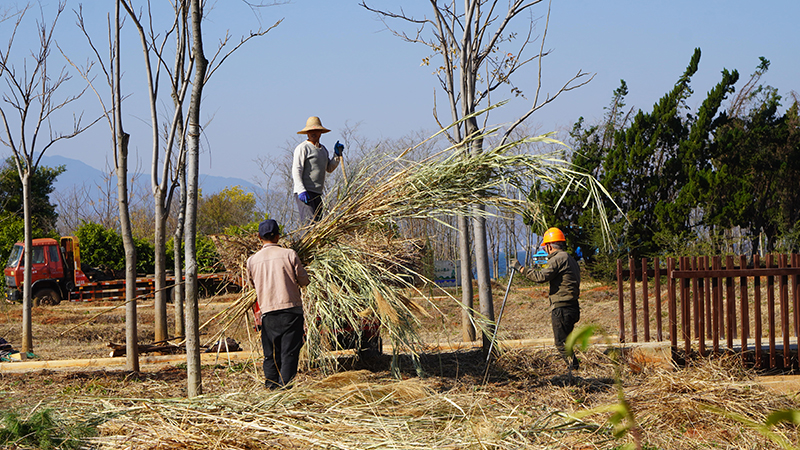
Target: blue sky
<point>334,59</point>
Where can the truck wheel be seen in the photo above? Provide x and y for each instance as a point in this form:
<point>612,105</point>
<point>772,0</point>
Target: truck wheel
<point>46,296</point>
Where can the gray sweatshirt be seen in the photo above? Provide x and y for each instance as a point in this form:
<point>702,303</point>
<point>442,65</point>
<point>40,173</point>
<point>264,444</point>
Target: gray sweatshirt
<point>309,167</point>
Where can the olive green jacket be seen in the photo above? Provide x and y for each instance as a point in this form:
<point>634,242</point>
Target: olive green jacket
<point>564,275</point>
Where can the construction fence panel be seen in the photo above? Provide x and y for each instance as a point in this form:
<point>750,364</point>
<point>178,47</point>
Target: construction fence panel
<point>706,313</point>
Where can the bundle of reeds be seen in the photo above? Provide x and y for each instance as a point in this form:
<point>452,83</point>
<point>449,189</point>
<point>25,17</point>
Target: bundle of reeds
<point>360,263</point>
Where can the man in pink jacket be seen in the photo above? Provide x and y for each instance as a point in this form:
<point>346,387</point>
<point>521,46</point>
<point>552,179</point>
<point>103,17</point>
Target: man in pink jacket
<point>277,275</point>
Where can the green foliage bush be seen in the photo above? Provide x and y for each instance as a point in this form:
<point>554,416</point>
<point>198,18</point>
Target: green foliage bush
<point>207,256</point>
<point>41,430</point>
<point>102,247</point>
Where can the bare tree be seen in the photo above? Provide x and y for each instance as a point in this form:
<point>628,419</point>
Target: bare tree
<point>119,140</point>
<point>167,153</point>
<point>96,202</point>
<point>31,95</point>
<point>473,66</point>
<point>195,386</point>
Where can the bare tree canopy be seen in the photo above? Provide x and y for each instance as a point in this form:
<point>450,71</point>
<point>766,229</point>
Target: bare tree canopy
<point>32,97</point>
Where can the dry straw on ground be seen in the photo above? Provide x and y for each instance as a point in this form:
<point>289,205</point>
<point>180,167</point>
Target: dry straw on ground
<point>528,403</point>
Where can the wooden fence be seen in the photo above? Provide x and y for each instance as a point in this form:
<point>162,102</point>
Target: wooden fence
<point>704,311</point>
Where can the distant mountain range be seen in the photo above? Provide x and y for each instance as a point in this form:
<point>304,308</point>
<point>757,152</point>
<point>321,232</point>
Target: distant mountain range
<point>79,173</point>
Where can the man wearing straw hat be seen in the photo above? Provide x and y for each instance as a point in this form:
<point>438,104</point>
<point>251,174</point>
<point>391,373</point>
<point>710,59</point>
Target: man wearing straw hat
<point>564,275</point>
<point>277,275</point>
<point>310,164</point>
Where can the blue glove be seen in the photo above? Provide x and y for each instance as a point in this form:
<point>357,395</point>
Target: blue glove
<point>338,149</point>
<point>304,197</point>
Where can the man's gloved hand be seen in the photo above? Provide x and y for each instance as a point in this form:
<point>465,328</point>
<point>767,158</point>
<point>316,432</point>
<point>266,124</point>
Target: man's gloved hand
<point>304,197</point>
<point>516,265</point>
<point>338,149</point>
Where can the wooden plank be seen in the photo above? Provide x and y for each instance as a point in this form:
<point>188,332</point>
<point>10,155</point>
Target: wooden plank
<point>720,273</point>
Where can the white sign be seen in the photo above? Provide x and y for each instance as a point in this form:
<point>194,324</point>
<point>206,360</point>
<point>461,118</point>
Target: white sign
<point>447,273</point>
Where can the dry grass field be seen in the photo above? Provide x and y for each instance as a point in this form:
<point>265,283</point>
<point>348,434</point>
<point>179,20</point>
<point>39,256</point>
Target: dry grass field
<point>526,400</point>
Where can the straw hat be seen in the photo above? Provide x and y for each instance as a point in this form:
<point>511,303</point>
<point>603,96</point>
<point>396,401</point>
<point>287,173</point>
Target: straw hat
<point>313,123</point>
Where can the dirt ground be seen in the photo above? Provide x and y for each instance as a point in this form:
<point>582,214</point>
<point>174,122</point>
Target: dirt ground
<point>521,402</point>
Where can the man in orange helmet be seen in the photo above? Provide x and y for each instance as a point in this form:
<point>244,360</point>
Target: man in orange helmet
<point>564,275</point>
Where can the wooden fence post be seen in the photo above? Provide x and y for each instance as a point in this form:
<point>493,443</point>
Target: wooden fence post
<point>715,310</point>
<point>634,333</point>
<point>744,306</point>
<point>695,301</point>
<point>771,311</point>
<point>757,312</point>
<point>796,298</point>
<point>730,304</point>
<point>783,289</point>
<point>657,271</point>
<point>621,302</point>
<point>673,322</point>
<point>707,284</point>
<point>686,319</point>
<point>645,301</point>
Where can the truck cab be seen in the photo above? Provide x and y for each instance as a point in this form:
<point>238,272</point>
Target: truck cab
<point>55,270</point>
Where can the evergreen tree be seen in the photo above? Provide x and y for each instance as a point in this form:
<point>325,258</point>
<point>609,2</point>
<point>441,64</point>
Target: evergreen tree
<point>757,159</point>
<point>44,213</point>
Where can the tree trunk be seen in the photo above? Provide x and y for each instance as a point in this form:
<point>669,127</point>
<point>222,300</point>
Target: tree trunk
<point>195,386</point>
<point>467,329</point>
<point>27,299</point>
<point>481,248</point>
<point>131,325</point>
<point>482,269</point>
<point>178,290</point>
<point>161,332</point>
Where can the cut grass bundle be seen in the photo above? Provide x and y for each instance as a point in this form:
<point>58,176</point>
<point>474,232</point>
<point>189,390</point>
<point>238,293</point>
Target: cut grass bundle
<point>363,266</point>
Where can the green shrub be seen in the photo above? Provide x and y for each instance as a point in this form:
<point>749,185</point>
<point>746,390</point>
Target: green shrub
<point>102,247</point>
<point>42,430</point>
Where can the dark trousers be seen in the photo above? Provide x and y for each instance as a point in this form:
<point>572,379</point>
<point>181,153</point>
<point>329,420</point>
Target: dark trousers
<point>281,338</point>
<point>564,320</point>
<point>311,211</point>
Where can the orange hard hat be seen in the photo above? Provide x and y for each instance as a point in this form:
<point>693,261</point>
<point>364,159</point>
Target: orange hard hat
<point>553,235</point>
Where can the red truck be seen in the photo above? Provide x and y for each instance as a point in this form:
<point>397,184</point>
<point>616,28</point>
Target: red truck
<point>57,274</point>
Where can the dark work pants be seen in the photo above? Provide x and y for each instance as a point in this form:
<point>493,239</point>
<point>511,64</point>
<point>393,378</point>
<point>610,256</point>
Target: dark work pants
<point>281,339</point>
<point>311,211</point>
<point>564,320</point>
